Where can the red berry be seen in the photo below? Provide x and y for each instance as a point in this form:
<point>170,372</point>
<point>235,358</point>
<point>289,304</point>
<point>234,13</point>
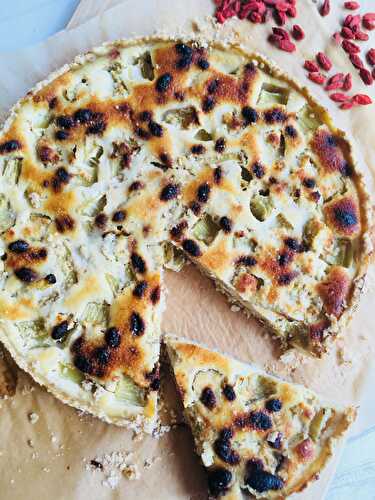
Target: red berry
<point>351,5</point>
<point>297,32</point>
<point>324,61</point>
<point>317,77</point>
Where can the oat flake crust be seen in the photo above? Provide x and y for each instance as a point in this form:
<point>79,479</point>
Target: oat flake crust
<point>141,152</point>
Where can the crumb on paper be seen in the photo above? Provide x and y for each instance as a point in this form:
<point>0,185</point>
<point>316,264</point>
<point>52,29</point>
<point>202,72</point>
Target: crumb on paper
<point>150,462</point>
<point>131,472</point>
<point>114,466</point>
<point>33,418</point>
<point>235,308</point>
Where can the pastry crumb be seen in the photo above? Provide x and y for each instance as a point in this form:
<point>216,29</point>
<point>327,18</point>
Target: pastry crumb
<point>33,418</point>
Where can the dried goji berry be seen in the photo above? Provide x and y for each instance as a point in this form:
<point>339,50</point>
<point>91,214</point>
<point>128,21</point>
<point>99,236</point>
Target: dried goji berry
<point>366,76</point>
<point>356,61</point>
<point>351,5</point>
<point>281,32</point>
<point>297,32</point>
<point>325,8</point>
<point>362,99</point>
<point>335,82</point>
<point>350,47</point>
<point>317,77</point>
<point>373,73</point>
<point>368,21</point>
<point>292,11</point>
<point>280,17</point>
<point>324,61</point>
<point>361,35</point>
<point>348,82</point>
<point>354,21</point>
<point>339,97</point>
<point>347,105</point>
<point>371,57</point>
<point>311,66</point>
<point>286,45</point>
<point>347,33</point>
<point>347,20</point>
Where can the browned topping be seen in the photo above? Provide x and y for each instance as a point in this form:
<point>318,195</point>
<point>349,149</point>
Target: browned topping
<point>59,331</point>
<point>286,278</point>
<point>343,216</point>
<point>208,398</point>
<point>220,145</point>
<point>203,192</point>
<point>258,170</point>
<point>246,260</point>
<point>136,186</point>
<point>64,223</point>
<point>47,154</point>
<point>291,131</point>
<point>218,175</point>
<point>139,265</point>
<point>249,115</point>
<point>226,224</point>
<point>325,146</point>
<point>155,129</point>
<point>101,220</point>
<point>177,231</point>
<point>274,116</point>
<point>113,337</point>
<point>136,324</point>
<point>192,248</point>
<point>18,246</point>
<point>169,192</point>
<point>62,135</point>
<point>335,290</point>
<point>60,177</point>
<point>163,82</point>
<point>229,392</point>
<point>53,103</point>
<point>155,295</point>
<point>26,274</point>
<point>317,330</point>
<point>119,216</point>
<point>10,146</point>
<point>195,207</point>
<point>166,159</point>
<point>198,149</point>
<point>208,104</point>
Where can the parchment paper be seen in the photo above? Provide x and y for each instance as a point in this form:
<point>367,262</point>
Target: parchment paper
<point>47,459</point>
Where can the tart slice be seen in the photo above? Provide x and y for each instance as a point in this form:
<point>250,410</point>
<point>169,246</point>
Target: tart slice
<point>255,433</point>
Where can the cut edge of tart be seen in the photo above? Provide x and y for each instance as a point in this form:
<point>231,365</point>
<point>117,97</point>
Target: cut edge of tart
<point>254,433</point>
<point>54,101</point>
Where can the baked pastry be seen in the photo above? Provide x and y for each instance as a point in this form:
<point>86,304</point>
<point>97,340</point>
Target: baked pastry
<point>140,150</point>
<point>255,433</point>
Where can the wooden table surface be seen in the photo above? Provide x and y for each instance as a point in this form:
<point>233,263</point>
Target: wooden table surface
<point>25,22</point>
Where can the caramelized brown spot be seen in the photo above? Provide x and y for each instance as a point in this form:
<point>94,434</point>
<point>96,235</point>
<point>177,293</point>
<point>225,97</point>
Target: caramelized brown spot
<point>327,149</point>
<point>101,220</point>
<point>155,295</point>
<point>47,154</point>
<point>343,216</point>
<point>177,231</point>
<point>64,223</point>
<point>335,290</point>
<point>317,330</point>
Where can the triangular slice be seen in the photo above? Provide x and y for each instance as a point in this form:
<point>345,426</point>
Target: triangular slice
<point>255,433</point>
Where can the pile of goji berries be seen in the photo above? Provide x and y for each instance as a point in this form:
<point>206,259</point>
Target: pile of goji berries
<point>257,11</point>
<point>261,11</point>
